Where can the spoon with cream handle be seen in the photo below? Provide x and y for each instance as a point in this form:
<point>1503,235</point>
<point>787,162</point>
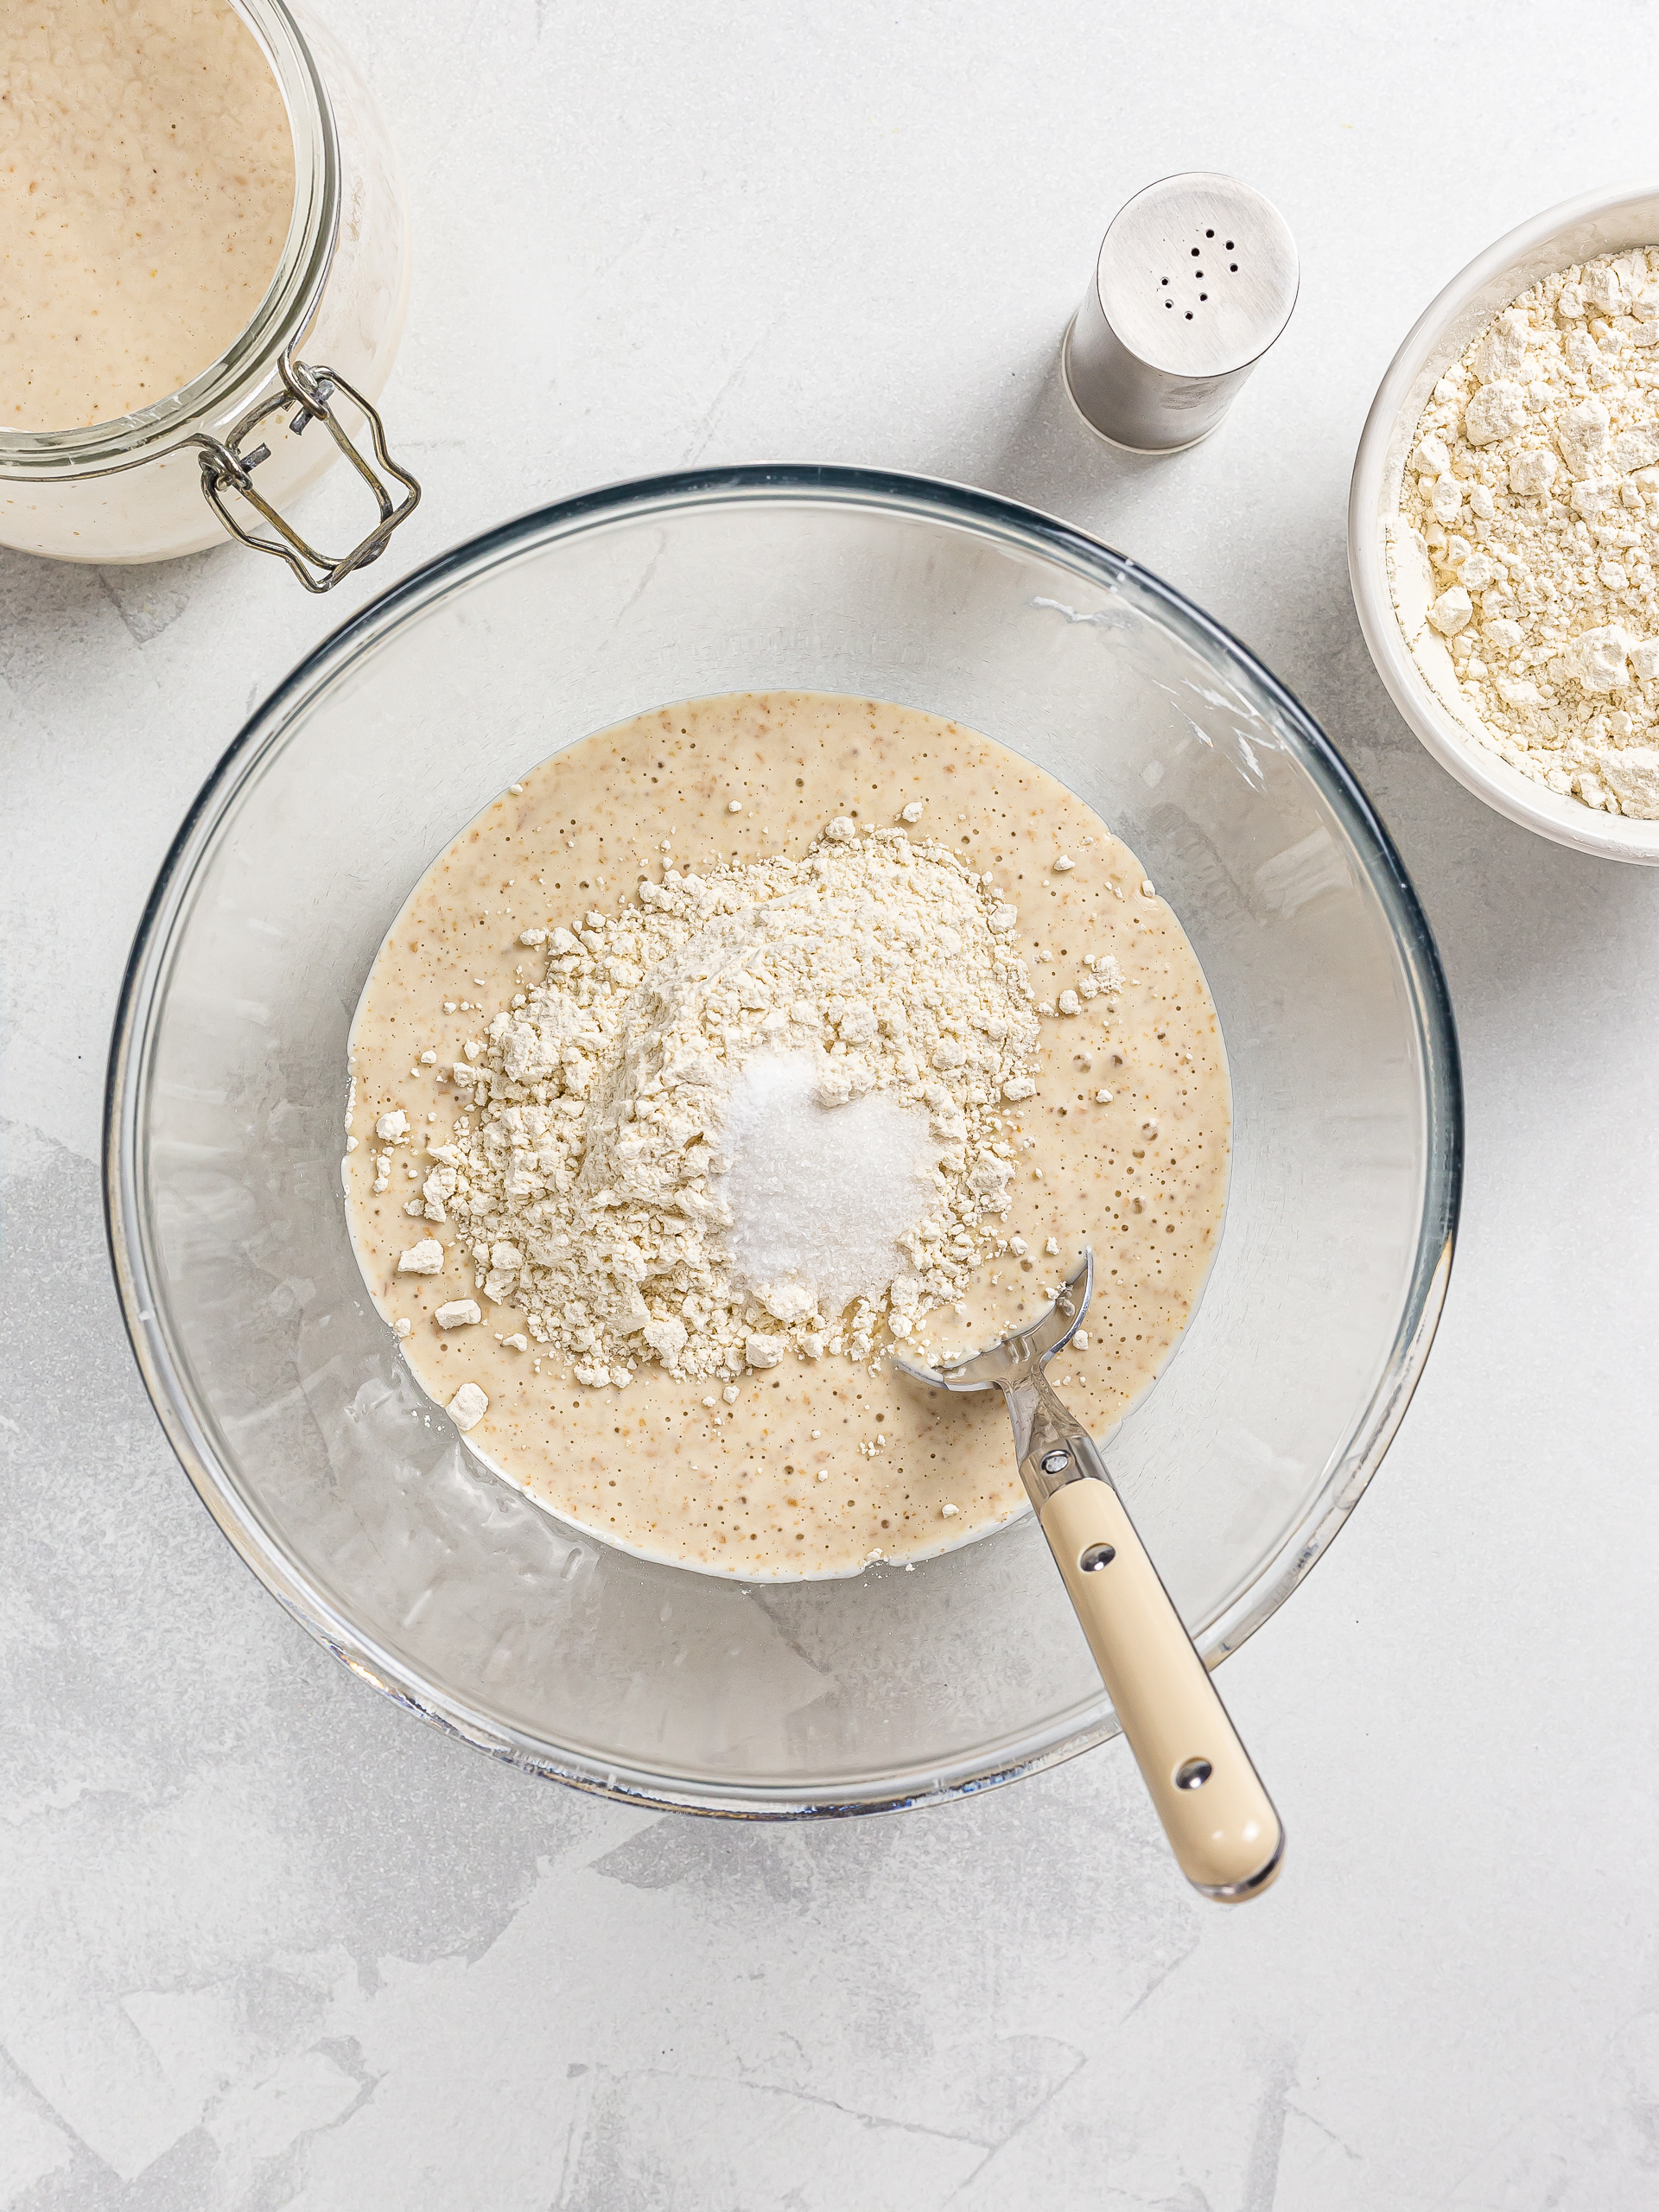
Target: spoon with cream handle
<point>1220,1821</point>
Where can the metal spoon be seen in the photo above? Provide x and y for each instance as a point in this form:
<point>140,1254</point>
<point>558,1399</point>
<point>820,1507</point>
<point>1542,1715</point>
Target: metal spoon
<point>1220,1821</point>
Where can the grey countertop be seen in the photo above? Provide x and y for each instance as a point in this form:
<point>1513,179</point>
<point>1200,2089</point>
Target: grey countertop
<point>267,1941</point>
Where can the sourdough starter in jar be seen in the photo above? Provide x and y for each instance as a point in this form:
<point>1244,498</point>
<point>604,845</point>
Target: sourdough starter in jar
<point>823,1457</point>
<point>146,185</point>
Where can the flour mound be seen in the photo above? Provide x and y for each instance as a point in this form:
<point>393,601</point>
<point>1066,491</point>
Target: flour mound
<point>1522,559</point>
<point>654,1169</point>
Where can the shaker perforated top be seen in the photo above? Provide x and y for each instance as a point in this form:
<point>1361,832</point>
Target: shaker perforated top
<point>1197,275</point>
<point>1196,279</point>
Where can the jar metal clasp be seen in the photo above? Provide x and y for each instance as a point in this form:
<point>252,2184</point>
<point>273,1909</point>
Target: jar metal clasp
<point>306,398</point>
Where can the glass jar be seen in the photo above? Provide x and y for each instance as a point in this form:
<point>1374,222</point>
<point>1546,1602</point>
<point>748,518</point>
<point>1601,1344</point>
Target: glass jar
<point>229,453</point>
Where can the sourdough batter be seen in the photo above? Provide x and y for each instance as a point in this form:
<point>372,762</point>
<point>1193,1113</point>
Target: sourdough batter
<point>814,1468</point>
<point>146,184</point>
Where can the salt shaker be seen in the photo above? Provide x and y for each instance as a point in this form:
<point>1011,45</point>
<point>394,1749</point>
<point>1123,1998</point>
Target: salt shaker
<point>1196,278</point>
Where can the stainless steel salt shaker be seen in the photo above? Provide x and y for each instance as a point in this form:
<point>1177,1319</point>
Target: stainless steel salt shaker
<point>1196,278</point>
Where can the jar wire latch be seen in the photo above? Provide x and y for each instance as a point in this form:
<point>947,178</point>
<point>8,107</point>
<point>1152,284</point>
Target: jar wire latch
<point>305,398</point>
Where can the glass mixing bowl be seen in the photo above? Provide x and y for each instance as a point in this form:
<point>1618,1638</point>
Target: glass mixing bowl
<point>349,1492</point>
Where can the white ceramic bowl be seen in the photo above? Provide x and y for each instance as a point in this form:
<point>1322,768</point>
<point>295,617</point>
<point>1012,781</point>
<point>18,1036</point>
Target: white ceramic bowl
<point>1609,221</point>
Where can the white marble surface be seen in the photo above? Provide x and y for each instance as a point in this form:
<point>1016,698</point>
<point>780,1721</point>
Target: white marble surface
<point>265,1940</point>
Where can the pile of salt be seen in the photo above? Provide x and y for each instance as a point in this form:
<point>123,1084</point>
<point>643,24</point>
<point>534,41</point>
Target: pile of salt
<point>820,1195</point>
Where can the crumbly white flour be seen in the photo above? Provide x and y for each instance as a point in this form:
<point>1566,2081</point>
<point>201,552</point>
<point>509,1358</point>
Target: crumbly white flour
<point>1521,560</point>
<point>636,1119</point>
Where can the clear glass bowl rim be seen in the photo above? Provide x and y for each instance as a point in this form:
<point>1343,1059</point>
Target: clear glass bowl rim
<point>923,499</point>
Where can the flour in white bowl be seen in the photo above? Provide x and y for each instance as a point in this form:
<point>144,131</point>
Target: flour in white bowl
<point>1522,557</point>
